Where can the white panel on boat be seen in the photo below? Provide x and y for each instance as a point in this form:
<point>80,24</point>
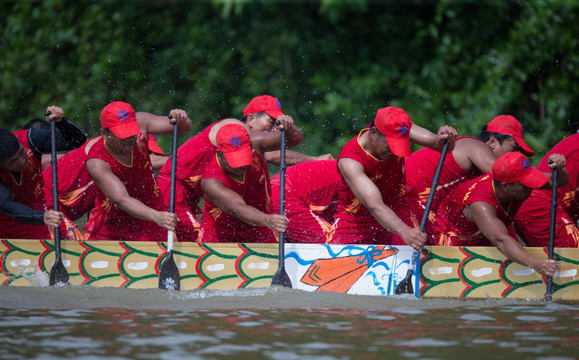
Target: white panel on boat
<point>567,273</point>
<point>138,265</point>
<point>182,265</point>
<point>524,272</point>
<point>440,270</point>
<point>482,272</point>
<point>258,265</point>
<point>215,267</point>
<point>99,264</point>
<point>20,262</point>
<point>66,263</point>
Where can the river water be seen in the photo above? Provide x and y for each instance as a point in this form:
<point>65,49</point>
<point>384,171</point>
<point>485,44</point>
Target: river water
<point>275,323</point>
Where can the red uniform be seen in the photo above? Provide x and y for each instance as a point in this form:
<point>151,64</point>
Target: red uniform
<point>192,158</point>
<point>420,170</point>
<point>311,199</point>
<point>76,189</point>
<point>421,167</point>
<point>453,228</point>
<point>354,223</point>
<point>218,226</point>
<point>27,190</point>
<point>533,219</point>
<point>107,221</point>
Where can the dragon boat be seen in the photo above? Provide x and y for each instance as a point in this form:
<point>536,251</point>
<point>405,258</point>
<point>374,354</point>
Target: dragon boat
<point>442,272</point>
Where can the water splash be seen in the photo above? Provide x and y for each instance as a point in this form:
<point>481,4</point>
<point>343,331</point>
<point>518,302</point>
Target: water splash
<point>34,275</point>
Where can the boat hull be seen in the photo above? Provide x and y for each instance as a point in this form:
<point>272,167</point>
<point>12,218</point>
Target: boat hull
<point>443,272</point>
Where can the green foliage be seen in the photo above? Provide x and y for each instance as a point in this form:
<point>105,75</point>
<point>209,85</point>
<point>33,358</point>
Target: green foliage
<point>332,63</point>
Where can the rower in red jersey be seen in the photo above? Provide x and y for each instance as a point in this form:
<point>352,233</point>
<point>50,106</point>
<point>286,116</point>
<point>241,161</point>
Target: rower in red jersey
<point>470,158</point>
<point>23,210</point>
<point>259,119</point>
<point>479,212</point>
<point>311,198</point>
<point>128,204</point>
<point>533,219</point>
<point>237,191</point>
<point>372,206</point>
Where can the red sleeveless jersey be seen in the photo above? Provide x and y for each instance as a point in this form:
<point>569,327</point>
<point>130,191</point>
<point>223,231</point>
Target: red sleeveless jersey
<point>421,168</point>
<point>354,222</point>
<point>218,226</point>
<point>76,189</point>
<point>568,147</point>
<point>452,227</point>
<point>533,219</point>
<point>108,221</point>
<point>27,190</point>
<point>192,158</point>
<point>311,199</point>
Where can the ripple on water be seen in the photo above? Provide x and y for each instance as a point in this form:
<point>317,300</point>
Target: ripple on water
<point>426,342</point>
<point>476,317</point>
<point>544,319</point>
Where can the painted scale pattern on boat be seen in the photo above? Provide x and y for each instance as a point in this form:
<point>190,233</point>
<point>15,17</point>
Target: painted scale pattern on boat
<point>483,272</point>
<point>137,264</point>
<point>444,272</point>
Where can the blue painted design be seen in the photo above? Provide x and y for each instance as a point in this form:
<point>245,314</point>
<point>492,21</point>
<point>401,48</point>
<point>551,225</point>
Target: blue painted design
<point>123,115</point>
<point>526,164</point>
<point>235,141</point>
<point>294,255</point>
<point>403,130</point>
<point>368,256</point>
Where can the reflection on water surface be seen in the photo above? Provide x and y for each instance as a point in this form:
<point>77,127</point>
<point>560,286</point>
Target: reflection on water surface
<point>44,323</point>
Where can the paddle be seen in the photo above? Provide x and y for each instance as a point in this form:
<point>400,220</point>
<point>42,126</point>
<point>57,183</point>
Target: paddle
<point>548,295</point>
<point>169,278</point>
<point>58,274</point>
<point>405,286</point>
<point>281,277</point>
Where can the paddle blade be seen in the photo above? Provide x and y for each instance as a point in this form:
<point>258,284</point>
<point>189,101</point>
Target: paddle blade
<point>281,278</point>
<point>58,274</point>
<point>169,278</point>
<point>405,286</point>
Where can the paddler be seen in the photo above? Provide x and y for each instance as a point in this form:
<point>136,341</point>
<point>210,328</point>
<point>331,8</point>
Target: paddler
<point>532,221</point>
<point>23,210</point>
<point>237,189</point>
<point>128,202</point>
<point>470,158</point>
<point>259,119</point>
<point>372,206</point>
<point>479,212</point>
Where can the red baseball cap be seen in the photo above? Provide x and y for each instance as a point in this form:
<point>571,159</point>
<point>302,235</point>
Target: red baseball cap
<point>266,103</point>
<point>234,142</point>
<point>515,167</point>
<point>121,119</point>
<point>395,124</point>
<point>153,146</point>
<point>508,125</point>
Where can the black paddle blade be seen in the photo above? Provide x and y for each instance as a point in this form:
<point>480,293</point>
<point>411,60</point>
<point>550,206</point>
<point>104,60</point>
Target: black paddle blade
<point>169,278</point>
<point>281,278</point>
<point>58,274</point>
<point>405,286</point>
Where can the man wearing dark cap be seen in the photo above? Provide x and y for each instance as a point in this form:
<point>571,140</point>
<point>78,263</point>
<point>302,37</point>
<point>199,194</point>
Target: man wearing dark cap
<point>128,204</point>
<point>237,191</point>
<point>478,212</point>
<point>470,158</point>
<point>371,203</point>
<point>23,211</point>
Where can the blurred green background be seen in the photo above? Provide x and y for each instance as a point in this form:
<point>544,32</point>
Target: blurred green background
<point>331,63</point>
